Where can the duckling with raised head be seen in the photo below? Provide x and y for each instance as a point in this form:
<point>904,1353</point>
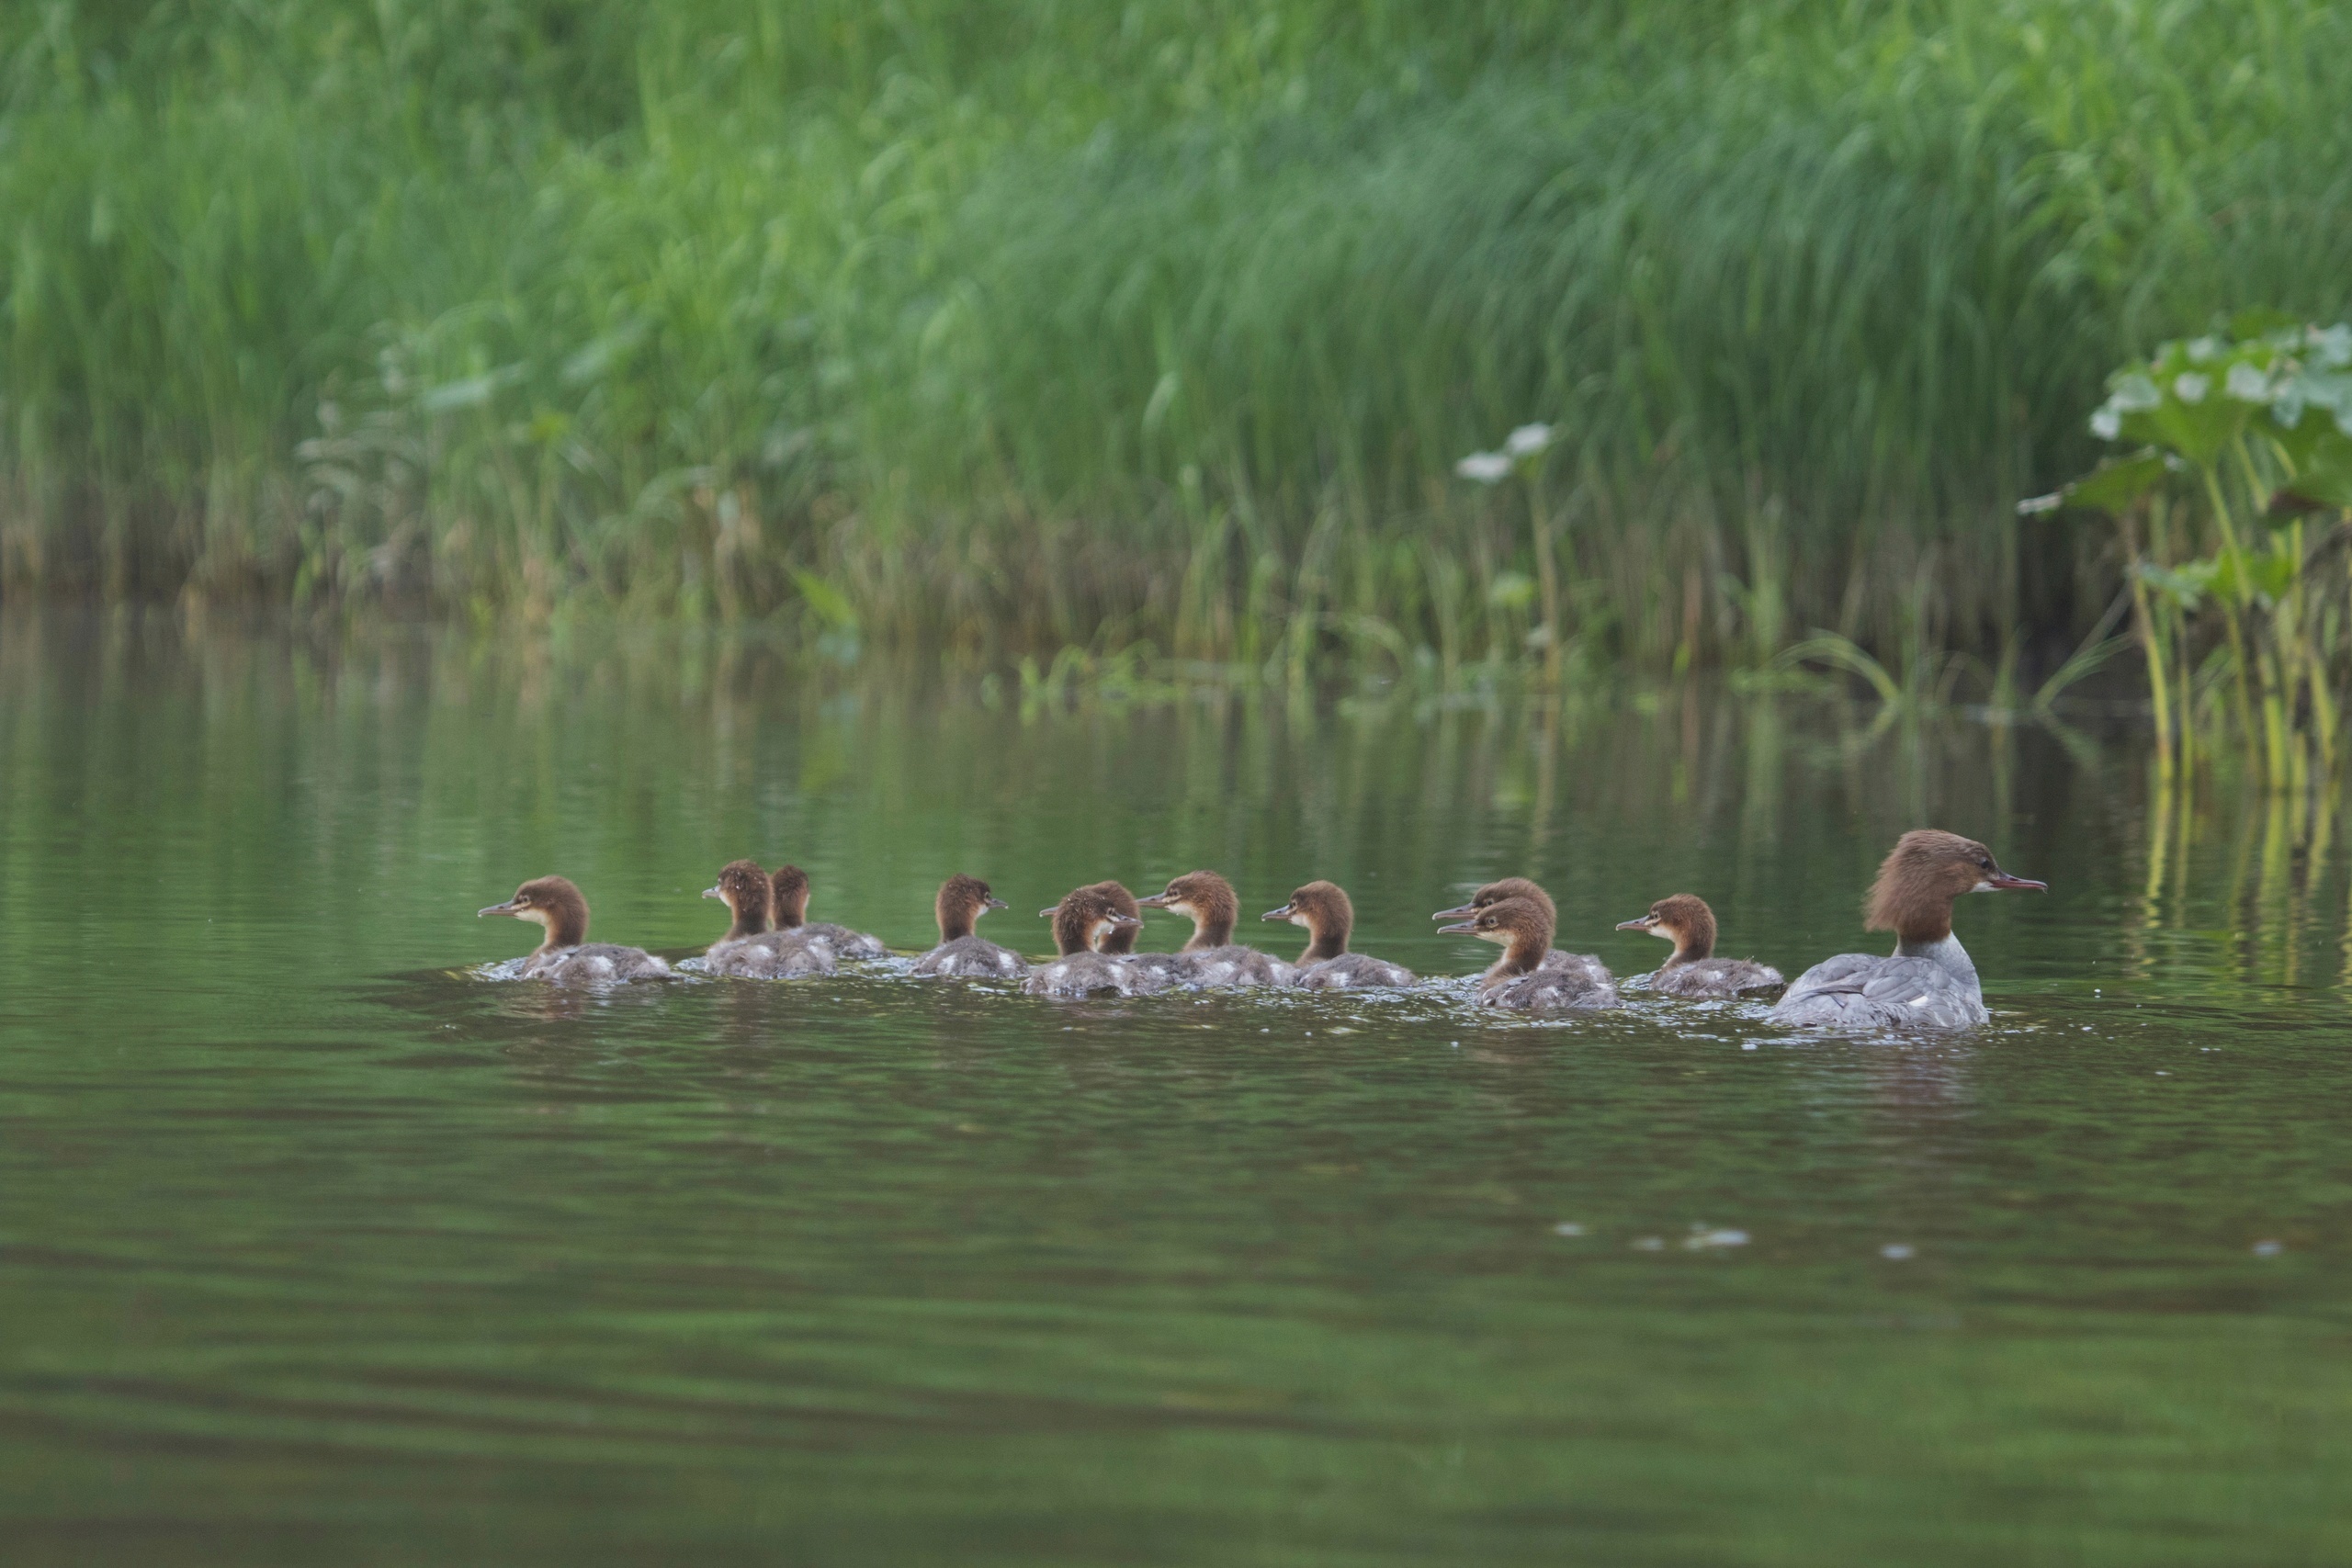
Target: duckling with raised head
<point>1593,972</point>
<point>1085,921</point>
<point>1211,957</point>
<point>1928,982</point>
<point>960,955</point>
<point>1520,978</point>
<point>749,950</point>
<point>566,957</point>
<point>1694,970</point>
<point>1323,908</point>
<point>788,906</point>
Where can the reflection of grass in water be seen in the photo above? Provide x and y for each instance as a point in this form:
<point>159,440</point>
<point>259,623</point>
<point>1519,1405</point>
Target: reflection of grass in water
<point>1167,319</point>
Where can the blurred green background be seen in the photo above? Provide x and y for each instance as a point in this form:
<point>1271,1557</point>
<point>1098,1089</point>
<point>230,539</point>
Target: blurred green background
<point>1028,323</point>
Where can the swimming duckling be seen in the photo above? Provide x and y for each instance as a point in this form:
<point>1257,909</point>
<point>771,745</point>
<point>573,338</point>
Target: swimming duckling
<point>1520,978</point>
<point>960,955</point>
<point>749,950</point>
<point>1084,922</point>
<point>1594,972</point>
<point>1326,965</point>
<point>1211,957</point>
<point>1928,982</point>
<point>567,957</point>
<point>788,906</point>
<point>1685,921</point>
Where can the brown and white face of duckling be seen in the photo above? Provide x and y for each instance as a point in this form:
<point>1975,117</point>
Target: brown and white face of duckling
<point>1520,924</point>
<point>1683,919</point>
<point>961,903</point>
<point>1088,920</point>
<point>788,897</point>
<point>1205,898</point>
<point>1323,908</point>
<point>552,904</point>
<point>743,886</point>
<point>1921,876</point>
<point>1495,893</point>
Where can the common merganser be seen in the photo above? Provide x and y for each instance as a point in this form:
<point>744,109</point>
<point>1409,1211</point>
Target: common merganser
<point>567,957</point>
<point>1593,974</point>
<point>1211,957</point>
<point>1685,921</point>
<point>749,950</point>
<point>1323,908</point>
<point>1928,982</point>
<point>1520,978</point>
<point>788,905</point>
<point>960,955</point>
<point>1084,921</point>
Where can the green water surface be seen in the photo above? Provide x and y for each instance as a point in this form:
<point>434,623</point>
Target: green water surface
<point>315,1248</point>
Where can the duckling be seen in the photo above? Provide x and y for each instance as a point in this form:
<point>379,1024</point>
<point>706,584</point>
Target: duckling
<point>1211,957</point>
<point>788,906</point>
<point>567,957</point>
<point>1085,921</point>
<point>1594,972</point>
<point>1323,908</point>
<point>1928,982</point>
<point>1519,979</point>
<point>961,955</point>
<point>749,950</point>
<point>1685,921</point>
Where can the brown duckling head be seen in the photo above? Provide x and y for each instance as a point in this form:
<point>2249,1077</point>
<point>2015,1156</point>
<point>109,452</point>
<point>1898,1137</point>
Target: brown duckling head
<point>788,897</point>
<point>1524,928</point>
<point>1683,919</point>
<point>962,901</point>
<point>1207,901</point>
<point>1323,908</point>
<point>551,902</point>
<point>1088,920</point>
<point>743,886</point>
<point>1495,893</point>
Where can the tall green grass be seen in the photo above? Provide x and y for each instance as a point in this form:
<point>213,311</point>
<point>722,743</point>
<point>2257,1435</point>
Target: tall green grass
<point>1041,323</point>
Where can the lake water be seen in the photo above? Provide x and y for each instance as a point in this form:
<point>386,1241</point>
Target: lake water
<point>315,1248</point>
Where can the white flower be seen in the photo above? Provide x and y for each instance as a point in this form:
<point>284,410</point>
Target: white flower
<point>2248,384</point>
<point>2190,388</point>
<point>2107,424</point>
<point>1527,440</point>
<point>1486,468</point>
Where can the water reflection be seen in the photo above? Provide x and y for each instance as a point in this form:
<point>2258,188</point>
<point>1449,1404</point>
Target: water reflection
<point>292,1208</point>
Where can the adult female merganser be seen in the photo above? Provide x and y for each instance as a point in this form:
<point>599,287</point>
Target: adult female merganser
<point>1685,921</point>
<point>1594,974</point>
<point>1929,982</point>
<point>567,957</point>
<point>1326,965</point>
<point>1211,957</point>
<point>749,950</point>
<point>960,955</point>
<point>1520,978</point>
<point>1084,921</point>
<point>788,906</point>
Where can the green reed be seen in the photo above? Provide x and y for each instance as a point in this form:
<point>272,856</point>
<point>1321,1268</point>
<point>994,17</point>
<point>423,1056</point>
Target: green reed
<point>1031,325</point>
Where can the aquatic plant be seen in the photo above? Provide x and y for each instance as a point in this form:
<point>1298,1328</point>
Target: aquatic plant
<point>2233,511</point>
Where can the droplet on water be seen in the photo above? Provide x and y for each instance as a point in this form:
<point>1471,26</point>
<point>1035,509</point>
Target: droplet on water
<point>1567,1227</point>
<point>2269,1248</point>
<point>1896,1251</point>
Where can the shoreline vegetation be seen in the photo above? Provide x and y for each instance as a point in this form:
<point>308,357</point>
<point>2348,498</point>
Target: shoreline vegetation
<point>1026,327</point>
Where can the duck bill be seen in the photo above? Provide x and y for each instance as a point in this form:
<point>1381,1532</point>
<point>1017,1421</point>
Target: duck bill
<point>1464,928</point>
<point>712,893</point>
<point>1120,922</point>
<point>1647,923</point>
<point>1284,913</point>
<point>1049,911</point>
<point>995,904</point>
<point>509,907</point>
<point>1157,901</point>
<point>2002,882</point>
<point>1464,912</point>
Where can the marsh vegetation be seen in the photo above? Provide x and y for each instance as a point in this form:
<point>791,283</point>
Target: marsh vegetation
<point>1026,327</point>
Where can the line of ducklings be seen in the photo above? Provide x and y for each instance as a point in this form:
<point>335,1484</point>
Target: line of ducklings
<point>1928,981</point>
